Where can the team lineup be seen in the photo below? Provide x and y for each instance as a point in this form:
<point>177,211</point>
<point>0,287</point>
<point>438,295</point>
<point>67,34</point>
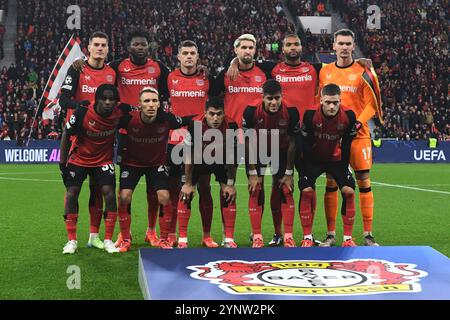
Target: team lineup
<point>283,115</point>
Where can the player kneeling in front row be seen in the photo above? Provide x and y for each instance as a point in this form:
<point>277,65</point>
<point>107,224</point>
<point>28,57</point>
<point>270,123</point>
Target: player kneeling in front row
<point>198,148</point>
<point>92,151</point>
<point>271,118</point>
<point>327,134</point>
<point>143,136</point>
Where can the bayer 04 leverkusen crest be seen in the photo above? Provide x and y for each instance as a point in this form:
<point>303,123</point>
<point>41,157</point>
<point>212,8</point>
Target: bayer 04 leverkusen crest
<point>311,278</point>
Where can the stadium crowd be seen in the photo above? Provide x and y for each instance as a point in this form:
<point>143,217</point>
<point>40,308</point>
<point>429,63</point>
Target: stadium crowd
<point>414,78</point>
<point>410,54</point>
<point>41,37</point>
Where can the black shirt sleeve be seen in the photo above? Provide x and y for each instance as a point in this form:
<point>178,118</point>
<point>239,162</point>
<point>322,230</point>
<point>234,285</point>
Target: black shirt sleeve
<point>307,135</point>
<point>248,121</point>
<point>218,85</point>
<point>176,122</point>
<point>162,81</point>
<point>266,66</point>
<point>348,136</point>
<point>69,89</point>
<point>318,67</point>
<point>75,123</point>
<point>294,121</point>
<point>125,108</point>
<point>123,124</point>
<point>115,64</point>
<point>212,81</point>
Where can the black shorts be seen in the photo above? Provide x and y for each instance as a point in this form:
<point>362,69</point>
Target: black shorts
<point>311,171</point>
<point>157,177</point>
<point>278,174</point>
<point>101,176</point>
<point>175,170</point>
<point>219,170</point>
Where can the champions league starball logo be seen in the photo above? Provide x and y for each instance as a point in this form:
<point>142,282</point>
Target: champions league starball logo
<point>311,278</point>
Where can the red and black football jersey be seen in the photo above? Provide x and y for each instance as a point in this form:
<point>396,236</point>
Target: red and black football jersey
<point>132,78</point>
<point>79,86</point>
<point>93,145</point>
<point>244,91</point>
<point>298,83</point>
<point>146,143</point>
<point>285,120</point>
<point>328,139</point>
<point>197,130</point>
<point>188,95</point>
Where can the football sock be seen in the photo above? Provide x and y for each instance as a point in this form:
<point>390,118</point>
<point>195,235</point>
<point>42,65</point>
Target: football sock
<point>255,209</point>
<point>95,208</point>
<point>348,213</point>
<point>184,213</point>
<point>306,214</point>
<point>165,220</point>
<point>206,207</point>
<point>331,204</point>
<point>314,202</point>
<point>366,203</point>
<point>229,217</point>
<point>287,209</point>
<point>152,208</point>
<point>71,225</point>
<point>125,219</point>
<point>110,223</point>
<point>174,196</point>
<point>275,206</point>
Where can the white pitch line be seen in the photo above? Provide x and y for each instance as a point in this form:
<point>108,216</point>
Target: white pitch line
<point>244,184</point>
<point>411,188</point>
<point>33,172</point>
<point>34,180</point>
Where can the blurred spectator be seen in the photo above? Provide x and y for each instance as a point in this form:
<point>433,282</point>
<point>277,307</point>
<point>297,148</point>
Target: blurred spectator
<point>410,54</point>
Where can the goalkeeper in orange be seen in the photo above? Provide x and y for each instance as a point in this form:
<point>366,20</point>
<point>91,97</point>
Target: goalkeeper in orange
<point>360,91</point>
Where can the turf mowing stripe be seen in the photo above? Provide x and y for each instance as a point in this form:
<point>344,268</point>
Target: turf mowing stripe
<point>406,187</point>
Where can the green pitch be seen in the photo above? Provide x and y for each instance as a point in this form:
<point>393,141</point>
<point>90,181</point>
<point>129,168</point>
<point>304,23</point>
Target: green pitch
<point>411,208</point>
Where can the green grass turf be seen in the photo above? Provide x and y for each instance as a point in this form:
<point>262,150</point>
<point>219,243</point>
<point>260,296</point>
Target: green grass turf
<point>33,232</point>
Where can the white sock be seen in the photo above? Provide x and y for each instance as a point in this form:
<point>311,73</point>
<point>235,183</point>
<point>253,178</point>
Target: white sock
<point>182,240</point>
<point>331,233</point>
<point>229,240</point>
<point>367,233</point>
<point>307,237</point>
<point>93,236</point>
<point>347,238</point>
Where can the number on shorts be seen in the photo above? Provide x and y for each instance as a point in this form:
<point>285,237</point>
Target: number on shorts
<point>108,167</point>
<point>366,153</point>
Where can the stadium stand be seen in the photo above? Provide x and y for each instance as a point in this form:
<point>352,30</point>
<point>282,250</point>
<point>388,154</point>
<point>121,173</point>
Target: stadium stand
<point>410,54</point>
<point>41,37</point>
